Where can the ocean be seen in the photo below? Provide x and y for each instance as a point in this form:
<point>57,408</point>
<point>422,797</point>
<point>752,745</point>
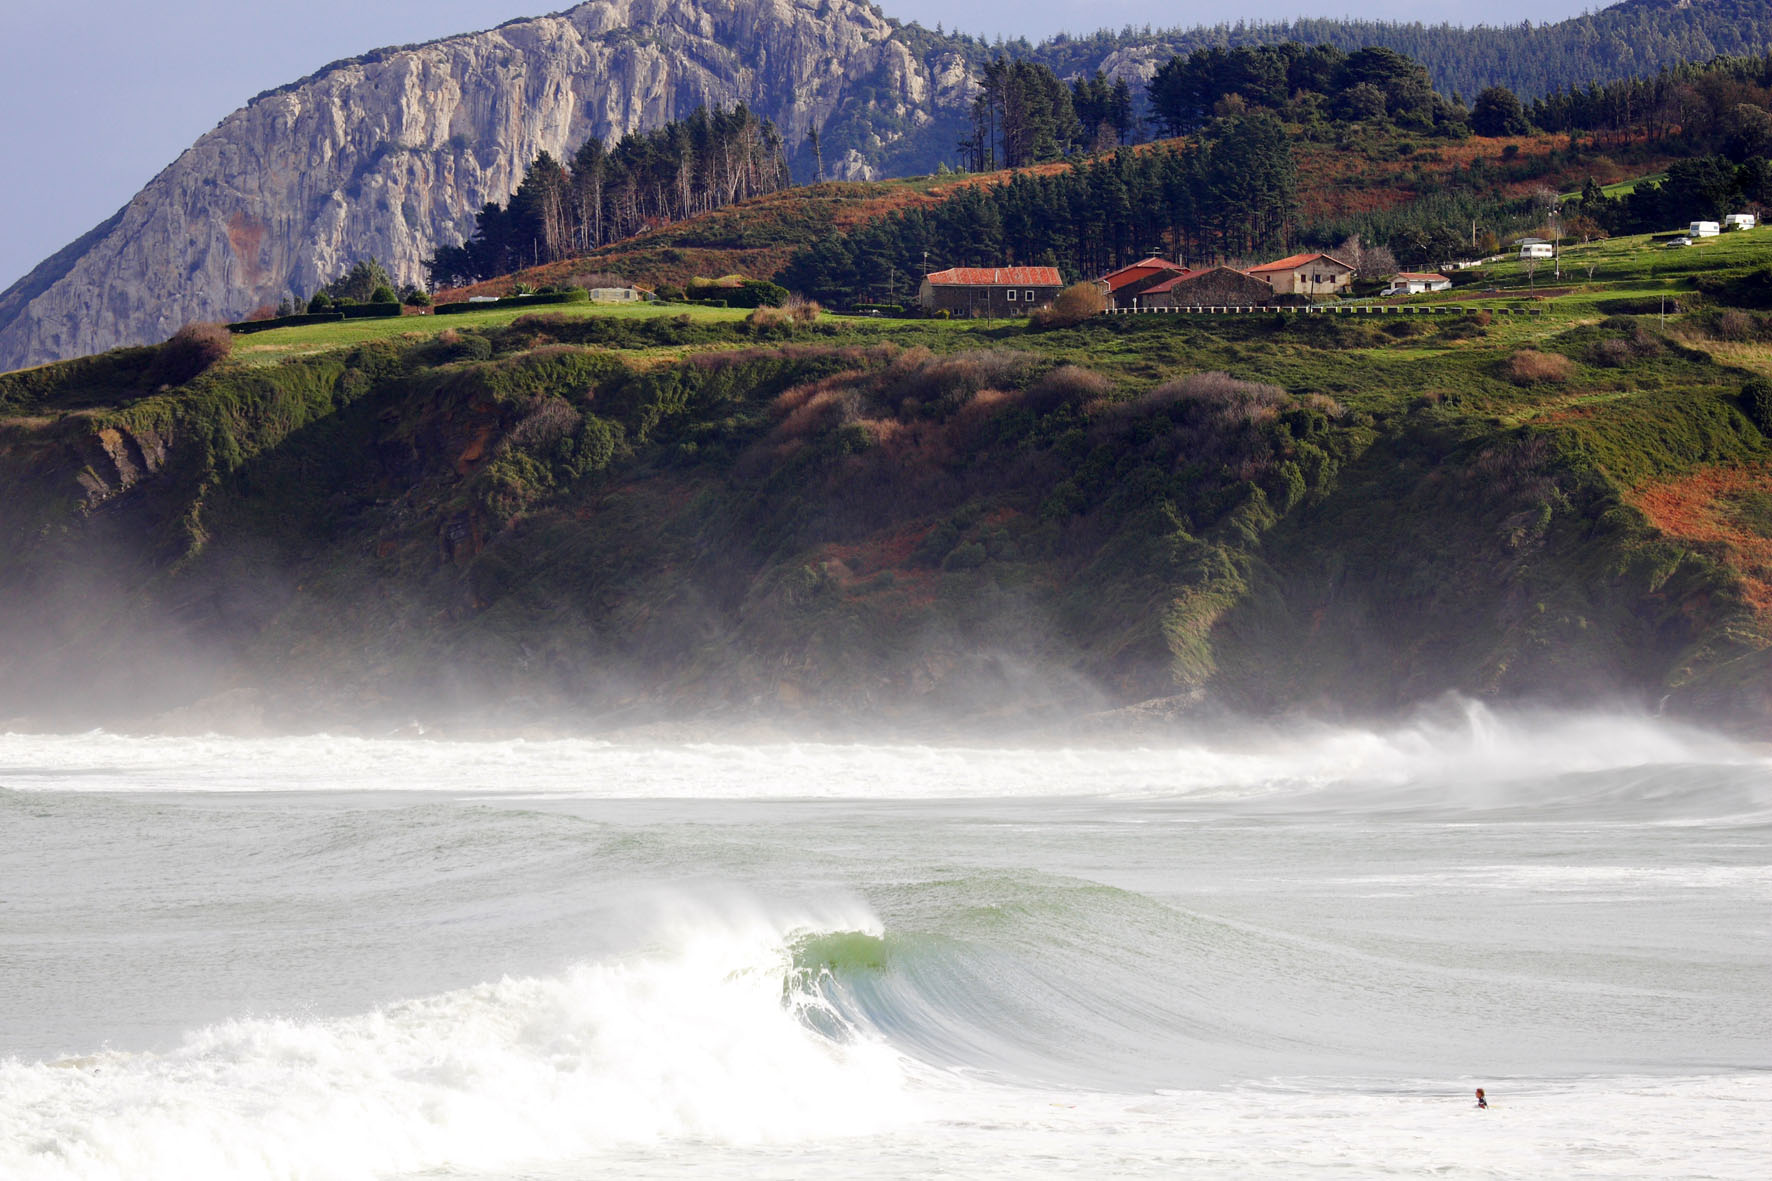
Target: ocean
<point>1280,951</point>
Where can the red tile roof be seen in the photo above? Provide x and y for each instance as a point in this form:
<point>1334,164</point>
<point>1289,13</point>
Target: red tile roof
<point>996,277</point>
<point>1169,284</point>
<point>1188,277</point>
<point>1293,262</point>
<point>1143,269</point>
<point>1427,277</point>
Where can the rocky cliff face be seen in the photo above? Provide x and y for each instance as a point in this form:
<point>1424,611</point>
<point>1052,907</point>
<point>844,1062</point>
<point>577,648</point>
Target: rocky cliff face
<point>390,155</point>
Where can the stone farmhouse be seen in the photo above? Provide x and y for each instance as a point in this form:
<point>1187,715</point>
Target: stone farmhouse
<point>1306,274</point>
<point>1126,287</point>
<point>990,291</point>
<point>1209,287</point>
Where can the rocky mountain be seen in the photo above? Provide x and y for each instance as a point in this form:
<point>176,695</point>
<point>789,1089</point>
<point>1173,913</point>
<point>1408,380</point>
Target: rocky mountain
<point>390,154</point>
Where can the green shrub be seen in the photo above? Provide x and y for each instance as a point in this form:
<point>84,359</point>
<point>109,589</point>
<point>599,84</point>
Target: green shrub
<point>190,351</point>
<point>936,545</point>
<point>1752,290</point>
<point>1756,400</point>
<point>450,345</point>
<point>1075,304</point>
<point>756,293</point>
<point>118,374</point>
<point>320,303</point>
<point>1645,305</point>
<point>966,556</point>
<point>383,294</point>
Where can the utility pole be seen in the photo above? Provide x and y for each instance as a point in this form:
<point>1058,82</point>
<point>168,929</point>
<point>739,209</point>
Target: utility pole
<point>1557,239</point>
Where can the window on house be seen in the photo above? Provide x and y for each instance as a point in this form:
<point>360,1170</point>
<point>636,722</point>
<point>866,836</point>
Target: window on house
<point>1028,296</point>
<point>1011,295</point>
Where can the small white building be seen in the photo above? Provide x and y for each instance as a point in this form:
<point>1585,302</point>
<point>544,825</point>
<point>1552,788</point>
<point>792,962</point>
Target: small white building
<point>1415,283</point>
<point>1704,229</point>
<point>1536,250</point>
<point>617,295</point>
<point>1740,221</point>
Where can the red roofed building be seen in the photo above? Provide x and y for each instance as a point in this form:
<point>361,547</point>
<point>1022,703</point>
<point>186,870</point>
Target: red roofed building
<point>1210,287</point>
<point>1306,274</point>
<point>1124,286</point>
<point>990,291</point>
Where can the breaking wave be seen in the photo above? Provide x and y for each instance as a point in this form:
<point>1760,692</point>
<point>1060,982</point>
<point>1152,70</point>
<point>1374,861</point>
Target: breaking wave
<point>690,1043</point>
<point>1458,755</point>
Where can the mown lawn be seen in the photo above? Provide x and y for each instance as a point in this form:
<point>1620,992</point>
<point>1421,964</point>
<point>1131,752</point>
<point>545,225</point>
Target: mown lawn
<point>310,339</point>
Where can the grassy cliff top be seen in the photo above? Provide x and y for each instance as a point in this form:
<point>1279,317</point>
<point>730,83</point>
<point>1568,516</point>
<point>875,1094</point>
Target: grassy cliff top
<point>640,511</point>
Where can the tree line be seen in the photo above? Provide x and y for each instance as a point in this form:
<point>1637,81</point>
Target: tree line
<point>1714,106</point>
<point>1023,114</point>
<point>1703,188</point>
<point>1621,41</point>
<point>1616,41</point>
<point>1230,194</point>
<point>711,159</point>
<point>1302,83</point>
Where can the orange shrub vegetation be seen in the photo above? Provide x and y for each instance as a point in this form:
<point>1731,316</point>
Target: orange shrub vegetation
<point>1531,367</point>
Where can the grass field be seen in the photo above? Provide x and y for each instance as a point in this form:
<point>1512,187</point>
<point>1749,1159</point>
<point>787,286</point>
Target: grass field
<point>1623,188</point>
<point>1596,276</point>
<point>263,348</point>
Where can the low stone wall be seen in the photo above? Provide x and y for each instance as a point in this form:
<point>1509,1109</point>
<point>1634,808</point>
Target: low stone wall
<point>1329,310</point>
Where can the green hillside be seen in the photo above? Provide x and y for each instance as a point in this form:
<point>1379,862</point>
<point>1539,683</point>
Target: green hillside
<point>643,513</point>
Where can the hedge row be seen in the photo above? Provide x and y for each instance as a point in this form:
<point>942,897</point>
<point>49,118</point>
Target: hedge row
<point>1642,305</point>
<point>368,311</point>
<point>285,322</point>
<point>576,295</point>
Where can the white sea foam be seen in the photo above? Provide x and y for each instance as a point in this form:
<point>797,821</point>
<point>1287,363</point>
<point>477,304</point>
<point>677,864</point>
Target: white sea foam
<point>1463,753</point>
<point>694,1044</point>
<point>1569,910</point>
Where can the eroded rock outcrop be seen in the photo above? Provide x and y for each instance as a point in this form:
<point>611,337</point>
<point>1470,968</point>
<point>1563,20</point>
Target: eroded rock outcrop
<point>392,154</point>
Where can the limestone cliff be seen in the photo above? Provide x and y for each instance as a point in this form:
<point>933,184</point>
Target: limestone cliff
<point>391,154</point>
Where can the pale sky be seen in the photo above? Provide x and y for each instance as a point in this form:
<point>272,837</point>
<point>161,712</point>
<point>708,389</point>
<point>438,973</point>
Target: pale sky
<point>99,95</point>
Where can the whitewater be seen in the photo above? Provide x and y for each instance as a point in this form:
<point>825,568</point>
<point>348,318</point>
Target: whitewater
<point>1275,951</point>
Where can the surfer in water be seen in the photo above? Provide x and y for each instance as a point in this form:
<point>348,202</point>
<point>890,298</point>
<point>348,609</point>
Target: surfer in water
<point>1481,1102</point>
